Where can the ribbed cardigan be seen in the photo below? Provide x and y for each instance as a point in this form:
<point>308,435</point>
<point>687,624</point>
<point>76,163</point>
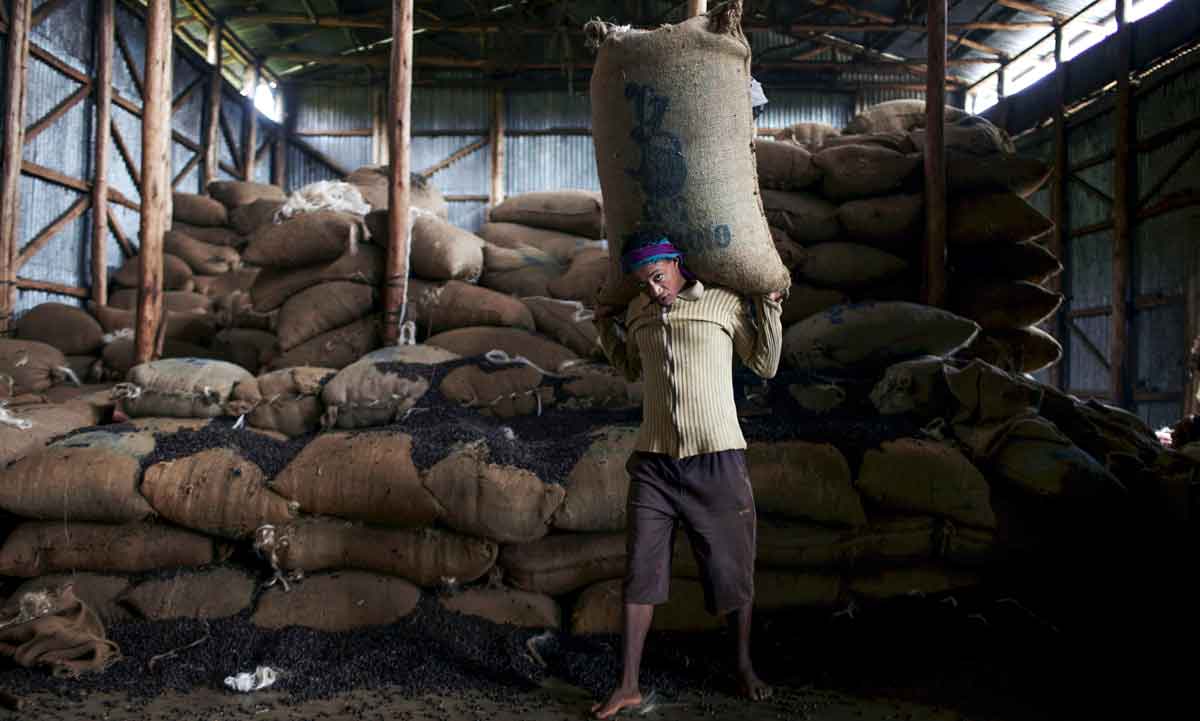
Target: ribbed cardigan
<point>685,353</point>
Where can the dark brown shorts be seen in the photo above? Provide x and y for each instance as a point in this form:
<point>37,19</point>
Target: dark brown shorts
<point>710,495</point>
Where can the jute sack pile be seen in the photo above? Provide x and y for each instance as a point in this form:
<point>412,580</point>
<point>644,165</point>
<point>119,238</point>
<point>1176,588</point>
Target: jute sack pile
<point>436,307</point>
<point>307,239</point>
<point>520,271</point>
<point>805,300</point>
<point>599,609</point>
<point>100,591</point>
<point>198,210</point>
<point>246,219</point>
<point>339,601</point>
<point>797,545</point>
<point>195,327</point>
<point>598,486</point>
<point>438,249</point>
<point>29,366</point>
<point>213,235</point>
<point>203,258</point>
<point>287,400</point>
<point>584,278</point>
<point>898,116</point>
<point>210,593</point>
<point>992,218</point>
<point>577,212</point>
<point>564,562</point>
<point>217,286</point>
<point>379,388</point>
<point>811,481</point>
<point>174,301</point>
<point>669,165</point>
<point>784,166</point>
<point>337,348</point>
<point>69,329</point>
<point>251,349</point>
<point>846,266</point>
<point>236,193</point>
<point>891,223</point>
<point>274,286</point>
<point>916,386</point>
<point>805,217</point>
<point>925,477</point>
<point>118,357</point>
<point>807,135</point>
<point>29,427</point>
<point>372,181</point>
<point>80,483</point>
<point>179,388</point>
<point>506,606</point>
<point>863,171</point>
<point>567,322</point>
<point>1016,304</point>
<point>323,308</point>
<point>36,548</point>
<point>1020,350</point>
<point>501,391</point>
<point>177,275</point>
<point>1027,261</point>
<point>513,342</point>
<point>561,246</point>
<point>64,634</point>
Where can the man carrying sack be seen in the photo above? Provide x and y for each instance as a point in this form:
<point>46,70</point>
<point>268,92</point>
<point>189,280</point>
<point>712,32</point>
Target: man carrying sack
<point>689,465</point>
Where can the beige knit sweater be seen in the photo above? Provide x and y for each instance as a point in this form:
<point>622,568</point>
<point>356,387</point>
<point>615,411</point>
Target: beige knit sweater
<point>685,353</point>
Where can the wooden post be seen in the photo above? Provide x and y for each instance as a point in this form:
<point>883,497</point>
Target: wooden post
<point>13,151</point>
<point>1059,376</point>
<point>104,66</point>
<point>496,191</point>
<point>212,128</point>
<point>934,285</point>
<point>1122,218</point>
<point>399,130</point>
<point>279,162</point>
<point>250,144</point>
<point>156,178</point>
<point>697,7</point>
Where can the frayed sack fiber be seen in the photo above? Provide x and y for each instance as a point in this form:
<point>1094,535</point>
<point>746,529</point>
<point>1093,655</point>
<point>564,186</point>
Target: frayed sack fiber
<point>334,195</point>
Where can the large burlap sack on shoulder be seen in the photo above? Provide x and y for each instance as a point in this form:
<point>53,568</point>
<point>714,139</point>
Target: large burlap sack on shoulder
<point>68,328</point>
<point>598,486</point>
<point>521,609</point>
<point>214,593</point>
<point>246,219</point>
<point>503,503</point>
<point>381,387</point>
<point>438,308</point>
<point>177,274</point>
<point>926,477</point>
<point>567,322</point>
<point>561,246</point>
<point>584,278</point>
<point>29,366</point>
<point>308,239</point>
<point>600,607</point>
<point>323,308</point>
<point>793,544</point>
<point>287,400</point>
<point>180,388</point>
<point>174,301</point>
<point>425,556</point>
<point>578,212</point>
<point>809,135</point>
<point>215,491</point>
<point>274,286</point>
<point>562,563</point>
<point>335,602</point>
<point>676,156</point>
<point>1026,261</point>
<point>1017,350</point>
<point>520,271</point>
<point>85,484</point>
<point>805,300</point>
<point>30,427</point>
<point>847,266</point>
<point>198,209</point>
<point>100,591</point>
<point>925,579</point>
<point>236,193</point>
<point>784,166</point>
<point>359,476</point>
<point>891,223</point>
<point>975,219</point>
<point>812,481</point>
<point>874,334</point>
<point>203,258</point>
<point>546,354</point>
<point>805,217</point>
<point>863,171</point>
<point>372,181</point>
<point>897,116</point>
<point>197,328</point>
<point>36,548</point>
<point>1004,305</point>
<point>497,391</point>
<point>337,348</point>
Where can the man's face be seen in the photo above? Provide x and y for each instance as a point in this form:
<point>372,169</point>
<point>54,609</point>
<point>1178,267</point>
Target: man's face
<point>661,281</point>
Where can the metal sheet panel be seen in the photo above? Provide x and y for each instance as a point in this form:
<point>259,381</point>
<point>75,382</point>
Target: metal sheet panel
<point>1090,267</point>
<point>133,31</point>
<point>351,152</point>
<point>1088,372</point>
<point>1165,252</point>
<point>451,108</point>
<point>787,107</point>
<point>67,32</point>
<point>303,169</point>
<point>63,146</point>
<point>181,155</point>
<point>1085,206</point>
<point>232,107</point>
<point>120,174</point>
<point>541,110</point>
<point>61,259</point>
<point>547,162</point>
<point>469,215</point>
<point>340,108</point>
<point>1160,349</point>
<point>188,118</point>
<point>469,176</point>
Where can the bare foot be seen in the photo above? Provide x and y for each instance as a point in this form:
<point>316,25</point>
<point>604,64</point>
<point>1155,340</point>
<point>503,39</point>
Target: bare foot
<point>753,687</point>
<point>620,698</point>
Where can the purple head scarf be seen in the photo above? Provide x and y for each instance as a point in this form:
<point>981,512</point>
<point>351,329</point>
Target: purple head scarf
<point>663,249</point>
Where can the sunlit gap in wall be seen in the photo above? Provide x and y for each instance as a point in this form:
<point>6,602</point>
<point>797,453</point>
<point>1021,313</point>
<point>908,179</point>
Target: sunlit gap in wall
<point>264,100</point>
<point>1078,35</point>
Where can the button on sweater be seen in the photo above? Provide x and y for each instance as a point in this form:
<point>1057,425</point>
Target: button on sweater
<point>685,353</point>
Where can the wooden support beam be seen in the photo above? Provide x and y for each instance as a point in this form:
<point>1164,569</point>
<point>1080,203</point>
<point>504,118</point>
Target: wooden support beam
<point>127,54</point>
<point>287,120</point>
<point>212,116</point>
<point>119,140</point>
<point>1032,9</point>
<point>351,133</point>
<point>1176,165</point>
<point>399,187</point>
<point>59,110</point>
<point>230,141</point>
<point>697,7</point>
<point>27,284</point>
<point>1058,206</point>
<point>105,28</point>
<point>453,158</point>
<point>45,10</point>
<point>1123,194</point>
<point>127,248</point>
<point>333,163</point>
<point>1089,345</point>
<point>250,123</point>
<point>183,172</point>
<point>1091,189</point>
<point>16,61</point>
<point>332,21</point>
<point>156,191</point>
<point>78,208</point>
<point>934,285</point>
<point>183,96</point>
<point>497,138</point>
<point>53,176</point>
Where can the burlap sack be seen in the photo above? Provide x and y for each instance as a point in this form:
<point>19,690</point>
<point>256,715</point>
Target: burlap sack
<point>546,354</point>
<point>874,334</point>
<point>805,300</point>
<point>137,444</point>
<point>584,278</point>
<point>372,181</point>
<point>1035,457</point>
<point>380,388</point>
<point>100,591</point>
<point>1004,305</point>
<point>246,219</point>
<point>976,219</point>
<point>1016,261</point>
<point>1101,429</point>
<point>174,301</point>
<point>359,476</point>
<point>805,217</point>
<point>177,274</point>
<point>274,286</point>
<point>84,484</point>
<point>196,328</point>
<point>521,609</point>
<point>599,385</point>
<point>213,593</point>
<point>87,368</point>
<point>251,349</point>
<point>180,388</point>
<point>438,308</point>
<point>203,258</point>
<point>66,327</point>
<point>1018,350</point>
<point>863,171</point>
<point>214,491</point>
<point>523,271</point>
<point>118,357</point>
<point>897,116</point>
<point>926,477</point>
<point>305,240</point>
<point>441,251</point>
<point>198,209</point>
<point>811,481</point>
<point>562,563</point>
<point>561,246</point>
<point>323,308</point>
<point>808,135</point>
<point>599,609</point>
<point>578,212</point>
<point>790,252</point>
<point>972,136</point>
<point>219,236</point>
<point>598,486</point>
<point>216,286</point>
<point>892,223</point>
<point>916,386</point>
<point>847,266</point>
<point>288,400</point>
<point>44,423</point>
<point>235,193</point>
<point>236,310</point>
<point>424,556</point>
<point>784,166</point>
<point>1016,173</point>
<point>925,579</point>
<point>796,545</point>
<point>336,602</point>
<point>337,348</point>
<point>502,392</point>
<point>693,170</point>
<point>567,322</point>
<point>899,142</point>
<point>28,366</point>
<point>57,630</point>
<point>502,503</point>
<point>36,548</point>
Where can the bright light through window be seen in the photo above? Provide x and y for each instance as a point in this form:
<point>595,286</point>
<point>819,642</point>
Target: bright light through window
<point>264,100</point>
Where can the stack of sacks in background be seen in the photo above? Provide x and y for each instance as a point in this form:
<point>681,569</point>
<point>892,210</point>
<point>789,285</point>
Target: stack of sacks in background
<point>847,214</point>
